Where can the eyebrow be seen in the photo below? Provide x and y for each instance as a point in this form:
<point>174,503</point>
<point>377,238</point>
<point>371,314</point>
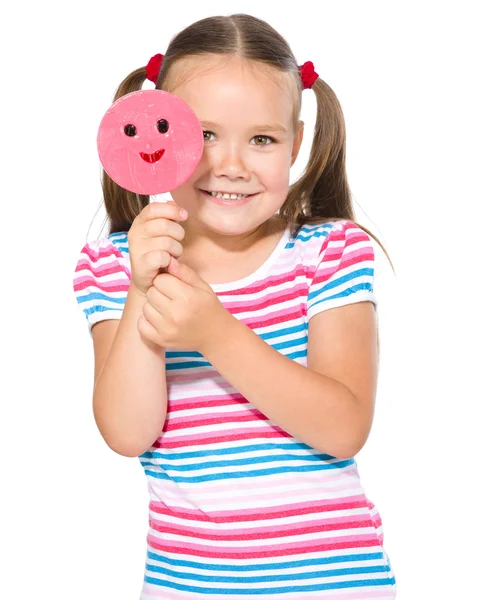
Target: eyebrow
<point>274,127</point>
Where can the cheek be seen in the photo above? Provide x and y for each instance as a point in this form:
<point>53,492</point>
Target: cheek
<point>275,173</point>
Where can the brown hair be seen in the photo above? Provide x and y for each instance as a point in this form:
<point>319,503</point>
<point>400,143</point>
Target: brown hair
<point>322,192</point>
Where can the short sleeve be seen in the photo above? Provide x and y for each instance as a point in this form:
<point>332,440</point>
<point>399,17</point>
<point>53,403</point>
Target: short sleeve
<point>344,269</point>
<point>102,278</point>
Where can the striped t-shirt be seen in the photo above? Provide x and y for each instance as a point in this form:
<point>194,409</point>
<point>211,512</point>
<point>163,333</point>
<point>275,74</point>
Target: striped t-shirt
<point>239,507</point>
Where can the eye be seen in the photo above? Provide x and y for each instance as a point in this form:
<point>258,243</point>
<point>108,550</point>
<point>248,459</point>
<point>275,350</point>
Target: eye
<point>162,125</point>
<point>205,133</point>
<point>263,137</point>
<point>130,130</point>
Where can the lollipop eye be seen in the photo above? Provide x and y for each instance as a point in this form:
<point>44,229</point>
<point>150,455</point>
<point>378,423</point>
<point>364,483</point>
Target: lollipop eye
<point>162,125</point>
<point>130,130</point>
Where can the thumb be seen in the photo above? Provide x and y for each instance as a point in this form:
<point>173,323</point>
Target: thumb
<point>186,274</point>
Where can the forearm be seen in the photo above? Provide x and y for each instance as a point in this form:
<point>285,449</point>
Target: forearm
<point>316,409</point>
<point>130,394</point>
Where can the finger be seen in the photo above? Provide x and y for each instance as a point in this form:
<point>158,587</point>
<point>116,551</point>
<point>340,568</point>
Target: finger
<point>187,275</point>
<point>169,285</point>
<point>165,210</point>
<point>147,330</point>
<point>165,243</point>
<point>158,301</point>
<point>162,227</point>
<point>158,259</point>
<point>154,317</point>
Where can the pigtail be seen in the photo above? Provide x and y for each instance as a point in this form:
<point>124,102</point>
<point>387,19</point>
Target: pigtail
<point>122,206</point>
<point>322,193</point>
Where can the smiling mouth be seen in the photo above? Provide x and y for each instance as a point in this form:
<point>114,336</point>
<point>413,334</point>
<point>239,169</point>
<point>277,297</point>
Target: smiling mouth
<point>152,158</point>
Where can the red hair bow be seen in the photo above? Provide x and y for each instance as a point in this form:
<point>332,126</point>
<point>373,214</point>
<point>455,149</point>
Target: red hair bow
<point>153,67</point>
<point>307,72</point>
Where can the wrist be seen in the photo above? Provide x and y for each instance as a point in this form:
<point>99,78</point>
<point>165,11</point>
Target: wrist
<point>136,292</point>
<point>220,329</point>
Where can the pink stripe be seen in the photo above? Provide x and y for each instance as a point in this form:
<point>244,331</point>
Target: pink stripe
<point>325,273</point>
<point>274,550</point>
<point>117,285</point>
<point>113,266</point>
<point>228,436</point>
<point>204,401</point>
<point>363,593</point>
<point>104,269</point>
<point>351,258</point>
<point>267,283</point>
<point>281,531</point>
<point>189,375</point>
<point>253,414</point>
<point>95,255</point>
<point>328,484</point>
<point>205,386</point>
<point>270,495</point>
<point>268,301</point>
<point>269,512</point>
<point>277,317</point>
<point>262,499</point>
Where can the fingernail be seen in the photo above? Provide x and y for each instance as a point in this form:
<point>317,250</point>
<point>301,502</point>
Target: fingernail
<point>183,213</point>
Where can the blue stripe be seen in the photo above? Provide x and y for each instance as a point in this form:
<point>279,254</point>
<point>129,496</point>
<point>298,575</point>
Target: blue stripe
<point>284,331</point>
<point>356,288</point>
<point>183,353</point>
<point>252,460</point>
<point>269,578</point>
<point>236,450</point>
<point>305,234</point>
<point>316,234</point>
<point>292,564</point>
<point>290,343</point>
<point>119,235</point>
<point>299,354</point>
<point>98,309</point>
<point>257,473</point>
<point>365,272</point>
<point>120,241</point>
<point>100,296</point>
<point>187,365</point>
<point>192,364</point>
<point>277,590</point>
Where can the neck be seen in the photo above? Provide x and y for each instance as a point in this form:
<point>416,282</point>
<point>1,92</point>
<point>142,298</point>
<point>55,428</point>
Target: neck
<point>206,242</point>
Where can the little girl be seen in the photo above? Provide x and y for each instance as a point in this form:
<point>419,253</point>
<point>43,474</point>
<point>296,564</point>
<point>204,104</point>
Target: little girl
<point>235,337</point>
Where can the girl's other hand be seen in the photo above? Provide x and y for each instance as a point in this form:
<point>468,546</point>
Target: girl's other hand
<point>154,237</point>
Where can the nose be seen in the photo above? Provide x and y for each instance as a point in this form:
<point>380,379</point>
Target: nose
<point>229,162</point>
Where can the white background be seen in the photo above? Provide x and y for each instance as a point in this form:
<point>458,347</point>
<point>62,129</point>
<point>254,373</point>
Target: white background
<point>74,514</point>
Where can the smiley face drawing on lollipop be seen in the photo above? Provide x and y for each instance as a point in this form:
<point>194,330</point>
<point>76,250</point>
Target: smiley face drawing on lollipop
<point>150,142</point>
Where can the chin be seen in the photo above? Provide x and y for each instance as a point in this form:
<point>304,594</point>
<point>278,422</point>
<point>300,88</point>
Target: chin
<point>228,226</point>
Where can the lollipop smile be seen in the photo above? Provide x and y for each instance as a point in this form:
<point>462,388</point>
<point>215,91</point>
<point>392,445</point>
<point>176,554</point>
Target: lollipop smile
<point>152,158</point>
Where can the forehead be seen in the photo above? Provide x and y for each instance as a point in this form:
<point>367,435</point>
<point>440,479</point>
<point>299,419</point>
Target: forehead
<point>230,88</point>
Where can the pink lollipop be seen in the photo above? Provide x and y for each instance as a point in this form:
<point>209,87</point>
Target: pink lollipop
<point>150,142</point>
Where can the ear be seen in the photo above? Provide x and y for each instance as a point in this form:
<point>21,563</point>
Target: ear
<point>297,142</point>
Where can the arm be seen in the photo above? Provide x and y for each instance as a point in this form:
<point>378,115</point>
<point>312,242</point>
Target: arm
<point>329,404</point>
<point>130,392</point>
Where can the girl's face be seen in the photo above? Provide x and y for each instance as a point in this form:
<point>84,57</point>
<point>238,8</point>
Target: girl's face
<point>249,143</point>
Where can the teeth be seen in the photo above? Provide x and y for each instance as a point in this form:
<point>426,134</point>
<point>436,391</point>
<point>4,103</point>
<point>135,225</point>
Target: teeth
<point>228,196</point>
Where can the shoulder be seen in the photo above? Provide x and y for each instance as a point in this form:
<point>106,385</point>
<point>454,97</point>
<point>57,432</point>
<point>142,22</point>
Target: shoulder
<point>339,265</point>
<point>107,252</point>
<point>102,277</point>
<point>335,238</point>
<point>115,244</point>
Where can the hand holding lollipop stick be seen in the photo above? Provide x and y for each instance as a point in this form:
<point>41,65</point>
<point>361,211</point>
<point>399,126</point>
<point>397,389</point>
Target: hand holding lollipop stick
<point>150,142</point>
